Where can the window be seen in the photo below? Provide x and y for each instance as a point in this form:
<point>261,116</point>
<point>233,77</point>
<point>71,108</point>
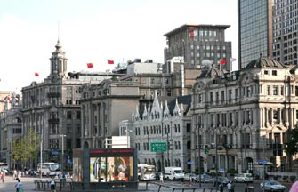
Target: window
<point>274,72</point>
<point>211,97</point>
<point>200,98</point>
<point>222,95</point>
<point>275,90</point>
<point>266,72</point>
<point>68,114</point>
<point>282,90</point>
<point>268,89</point>
<point>296,90</point>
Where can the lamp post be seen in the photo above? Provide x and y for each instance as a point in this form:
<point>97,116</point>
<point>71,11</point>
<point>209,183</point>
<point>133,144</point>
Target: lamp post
<point>216,159</point>
<point>41,149</point>
<point>62,150</point>
<point>199,150</point>
<point>128,131</point>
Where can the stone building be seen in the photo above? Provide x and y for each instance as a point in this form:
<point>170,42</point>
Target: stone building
<point>11,128</point>
<point>243,117</point>
<point>166,123</point>
<point>195,43</point>
<point>53,107</point>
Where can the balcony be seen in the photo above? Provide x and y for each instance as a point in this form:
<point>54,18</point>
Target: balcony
<point>54,121</point>
<point>53,94</point>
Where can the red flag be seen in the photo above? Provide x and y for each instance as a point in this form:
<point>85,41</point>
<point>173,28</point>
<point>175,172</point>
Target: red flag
<point>110,62</point>
<point>192,32</point>
<point>36,74</point>
<point>89,65</point>
<point>223,61</point>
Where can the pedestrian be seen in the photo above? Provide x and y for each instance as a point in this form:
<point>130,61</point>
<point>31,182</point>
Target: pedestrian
<point>161,177</point>
<point>221,187</point>
<point>14,174</point>
<point>53,185</point>
<point>229,185</point>
<point>294,187</point>
<point>19,186</point>
<point>2,176</point>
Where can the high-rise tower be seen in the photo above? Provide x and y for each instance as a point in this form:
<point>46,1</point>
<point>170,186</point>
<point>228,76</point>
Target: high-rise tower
<point>254,30</point>
<point>285,29</point>
<point>195,43</point>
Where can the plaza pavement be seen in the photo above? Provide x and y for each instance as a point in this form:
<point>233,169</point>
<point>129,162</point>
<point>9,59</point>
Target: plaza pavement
<point>29,186</point>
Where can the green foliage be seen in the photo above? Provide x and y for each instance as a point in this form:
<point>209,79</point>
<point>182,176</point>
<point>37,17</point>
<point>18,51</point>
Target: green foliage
<point>291,145</point>
<point>26,147</point>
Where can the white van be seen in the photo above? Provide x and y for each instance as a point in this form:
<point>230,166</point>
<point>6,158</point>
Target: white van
<point>48,169</point>
<point>173,173</point>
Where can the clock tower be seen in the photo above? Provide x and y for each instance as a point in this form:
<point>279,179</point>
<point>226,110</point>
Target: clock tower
<point>58,62</point>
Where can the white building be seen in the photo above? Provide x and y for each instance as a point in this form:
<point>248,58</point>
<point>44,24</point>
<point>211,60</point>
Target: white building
<point>167,124</point>
<point>246,114</point>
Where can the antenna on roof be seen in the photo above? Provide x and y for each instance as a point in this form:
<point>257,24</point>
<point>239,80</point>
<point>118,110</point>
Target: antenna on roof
<point>58,31</point>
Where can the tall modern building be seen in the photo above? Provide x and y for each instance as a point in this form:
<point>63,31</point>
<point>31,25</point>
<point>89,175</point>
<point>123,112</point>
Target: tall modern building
<point>267,27</point>
<point>254,26</point>
<point>195,43</point>
<point>285,21</point>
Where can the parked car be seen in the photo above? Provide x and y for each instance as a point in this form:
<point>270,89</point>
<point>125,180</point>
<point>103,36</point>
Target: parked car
<point>31,172</point>
<point>272,185</point>
<point>244,177</point>
<point>205,178</point>
<point>221,180</point>
<point>189,177</point>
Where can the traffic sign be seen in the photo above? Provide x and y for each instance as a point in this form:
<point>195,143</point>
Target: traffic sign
<point>158,146</point>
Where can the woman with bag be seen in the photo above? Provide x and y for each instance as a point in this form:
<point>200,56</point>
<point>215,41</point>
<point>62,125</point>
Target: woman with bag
<point>19,186</point>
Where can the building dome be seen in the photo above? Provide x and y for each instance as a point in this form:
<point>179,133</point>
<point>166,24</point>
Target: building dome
<point>265,63</point>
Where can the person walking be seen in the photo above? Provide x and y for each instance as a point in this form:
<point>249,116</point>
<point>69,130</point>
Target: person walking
<point>229,186</point>
<point>53,186</point>
<point>161,177</point>
<point>294,187</point>
<point>19,186</point>
<point>2,176</point>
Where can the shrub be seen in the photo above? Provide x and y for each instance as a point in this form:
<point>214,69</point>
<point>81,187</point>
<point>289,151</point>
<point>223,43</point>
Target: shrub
<point>292,178</point>
<point>285,177</point>
<point>232,172</point>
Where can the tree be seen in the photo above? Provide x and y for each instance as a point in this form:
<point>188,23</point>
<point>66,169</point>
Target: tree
<point>291,145</point>
<point>26,148</point>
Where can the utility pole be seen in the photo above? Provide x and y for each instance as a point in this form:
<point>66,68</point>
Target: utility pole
<point>216,160</point>
<point>199,150</point>
<point>41,149</point>
<point>62,151</point>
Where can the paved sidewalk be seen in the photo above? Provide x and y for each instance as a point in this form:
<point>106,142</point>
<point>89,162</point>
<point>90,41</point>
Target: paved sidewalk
<point>9,184</point>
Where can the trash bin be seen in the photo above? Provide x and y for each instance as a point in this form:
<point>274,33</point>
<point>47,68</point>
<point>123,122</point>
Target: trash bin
<point>250,189</point>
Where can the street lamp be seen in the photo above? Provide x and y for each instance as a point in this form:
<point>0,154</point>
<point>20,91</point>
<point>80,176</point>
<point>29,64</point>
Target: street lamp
<point>41,149</point>
<point>128,131</point>
<point>199,151</point>
<point>62,151</point>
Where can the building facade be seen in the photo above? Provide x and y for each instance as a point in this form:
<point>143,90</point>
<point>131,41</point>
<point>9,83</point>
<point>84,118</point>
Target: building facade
<point>52,108</point>
<point>11,128</point>
<point>244,117</point>
<point>267,27</point>
<point>285,39</point>
<point>254,30</point>
<point>166,123</point>
<point>195,43</point>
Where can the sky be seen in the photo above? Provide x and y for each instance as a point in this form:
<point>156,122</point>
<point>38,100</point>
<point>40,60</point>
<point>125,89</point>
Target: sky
<point>95,31</point>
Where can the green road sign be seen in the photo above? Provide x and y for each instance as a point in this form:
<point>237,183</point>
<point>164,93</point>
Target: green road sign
<point>158,146</point>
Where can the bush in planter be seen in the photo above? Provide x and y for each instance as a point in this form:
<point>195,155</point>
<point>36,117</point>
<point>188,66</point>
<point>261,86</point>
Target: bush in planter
<point>232,172</point>
<point>292,178</point>
<point>285,177</point>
